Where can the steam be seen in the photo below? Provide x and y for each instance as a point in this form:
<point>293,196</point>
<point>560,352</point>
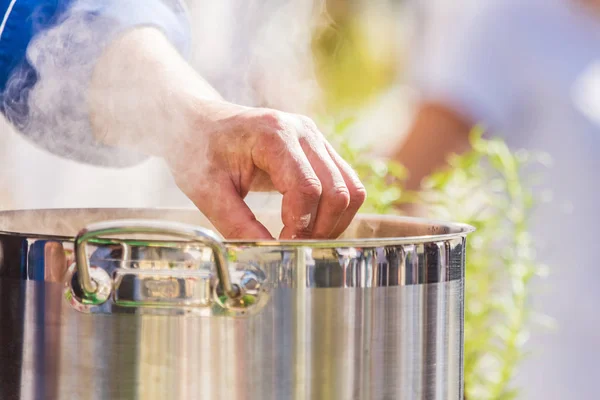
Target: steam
<point>54,113</point>
<point>255,53</point>
<point>258,52</point>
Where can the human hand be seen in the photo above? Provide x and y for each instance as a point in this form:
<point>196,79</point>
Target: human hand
<point>146,97</point>
<point>230,150</point>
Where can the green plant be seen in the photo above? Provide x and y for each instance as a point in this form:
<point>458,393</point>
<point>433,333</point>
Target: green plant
<point>483,188</point>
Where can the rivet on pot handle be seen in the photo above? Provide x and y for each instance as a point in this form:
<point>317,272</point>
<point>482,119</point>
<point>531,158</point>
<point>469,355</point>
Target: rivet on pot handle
<point>95,288</point>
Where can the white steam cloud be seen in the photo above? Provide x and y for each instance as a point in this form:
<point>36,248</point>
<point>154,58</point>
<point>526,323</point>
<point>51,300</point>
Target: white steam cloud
<point>54,113</point>
<point>254,52</point>
<point>258,52</point>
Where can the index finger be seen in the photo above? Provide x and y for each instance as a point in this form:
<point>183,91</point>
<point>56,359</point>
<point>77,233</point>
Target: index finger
<point>227,211</point>
<point>293,176</point>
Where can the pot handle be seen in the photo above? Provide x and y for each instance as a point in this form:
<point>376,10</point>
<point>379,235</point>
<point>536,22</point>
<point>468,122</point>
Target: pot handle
<point>95,288</point>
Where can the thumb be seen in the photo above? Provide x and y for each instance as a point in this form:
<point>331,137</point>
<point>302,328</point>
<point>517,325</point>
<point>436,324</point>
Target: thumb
<point>225,208</point>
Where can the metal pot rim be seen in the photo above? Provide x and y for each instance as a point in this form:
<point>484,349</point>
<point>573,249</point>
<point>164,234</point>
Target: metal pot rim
<point>458,230</point>
<point>454,229</point>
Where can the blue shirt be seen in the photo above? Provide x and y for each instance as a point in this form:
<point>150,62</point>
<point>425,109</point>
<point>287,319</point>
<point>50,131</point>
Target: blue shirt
<point>23,20</point>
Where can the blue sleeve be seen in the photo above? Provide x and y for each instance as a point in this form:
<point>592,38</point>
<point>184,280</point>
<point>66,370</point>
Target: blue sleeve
<point>21,19</point>
<point>60,40</point>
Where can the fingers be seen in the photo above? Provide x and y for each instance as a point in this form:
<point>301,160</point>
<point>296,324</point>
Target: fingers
<point>293,176</point>
<point>321,193</point>
<point>356,189</point>
<point>227,211</point>
<point>335,196</point>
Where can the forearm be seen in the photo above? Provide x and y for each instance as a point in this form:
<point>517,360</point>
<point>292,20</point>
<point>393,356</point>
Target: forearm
<point>144,94</point>
<point>47,95</point>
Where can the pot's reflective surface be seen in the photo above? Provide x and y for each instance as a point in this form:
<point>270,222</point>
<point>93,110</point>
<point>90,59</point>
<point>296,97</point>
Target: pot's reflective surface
<point>368,319</point>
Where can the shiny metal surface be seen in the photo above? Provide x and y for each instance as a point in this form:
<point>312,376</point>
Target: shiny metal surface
<point>375,315</point>
<point>128,227</point>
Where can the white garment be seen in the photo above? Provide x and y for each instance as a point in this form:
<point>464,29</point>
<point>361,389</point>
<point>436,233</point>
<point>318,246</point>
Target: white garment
<point>530,71</point>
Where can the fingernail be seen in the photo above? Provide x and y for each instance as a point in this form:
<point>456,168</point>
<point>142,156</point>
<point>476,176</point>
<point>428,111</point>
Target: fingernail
<point>303,222</point>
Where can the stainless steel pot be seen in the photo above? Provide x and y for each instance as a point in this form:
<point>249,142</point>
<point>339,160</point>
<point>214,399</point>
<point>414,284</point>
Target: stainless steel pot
<point>150,308</point>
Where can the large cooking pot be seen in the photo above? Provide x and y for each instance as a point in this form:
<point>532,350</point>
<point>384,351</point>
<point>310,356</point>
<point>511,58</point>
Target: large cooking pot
<point>151,304</point>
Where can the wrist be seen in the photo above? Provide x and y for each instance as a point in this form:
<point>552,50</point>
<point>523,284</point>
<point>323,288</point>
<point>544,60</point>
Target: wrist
<point>208,127</point>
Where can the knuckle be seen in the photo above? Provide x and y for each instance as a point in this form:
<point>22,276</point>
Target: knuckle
<point>358,195</point>
<point>274,133</point>
<point>273,144</point>
<point>308,122</point>
<point>339,197</point>
<point>270,120</point>
<point>276,129</point>
<point>310,187</point>
<point>275,147</point>
<point>310,126</point>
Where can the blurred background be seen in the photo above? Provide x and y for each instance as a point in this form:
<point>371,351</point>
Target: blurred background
<point>528,71</point>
